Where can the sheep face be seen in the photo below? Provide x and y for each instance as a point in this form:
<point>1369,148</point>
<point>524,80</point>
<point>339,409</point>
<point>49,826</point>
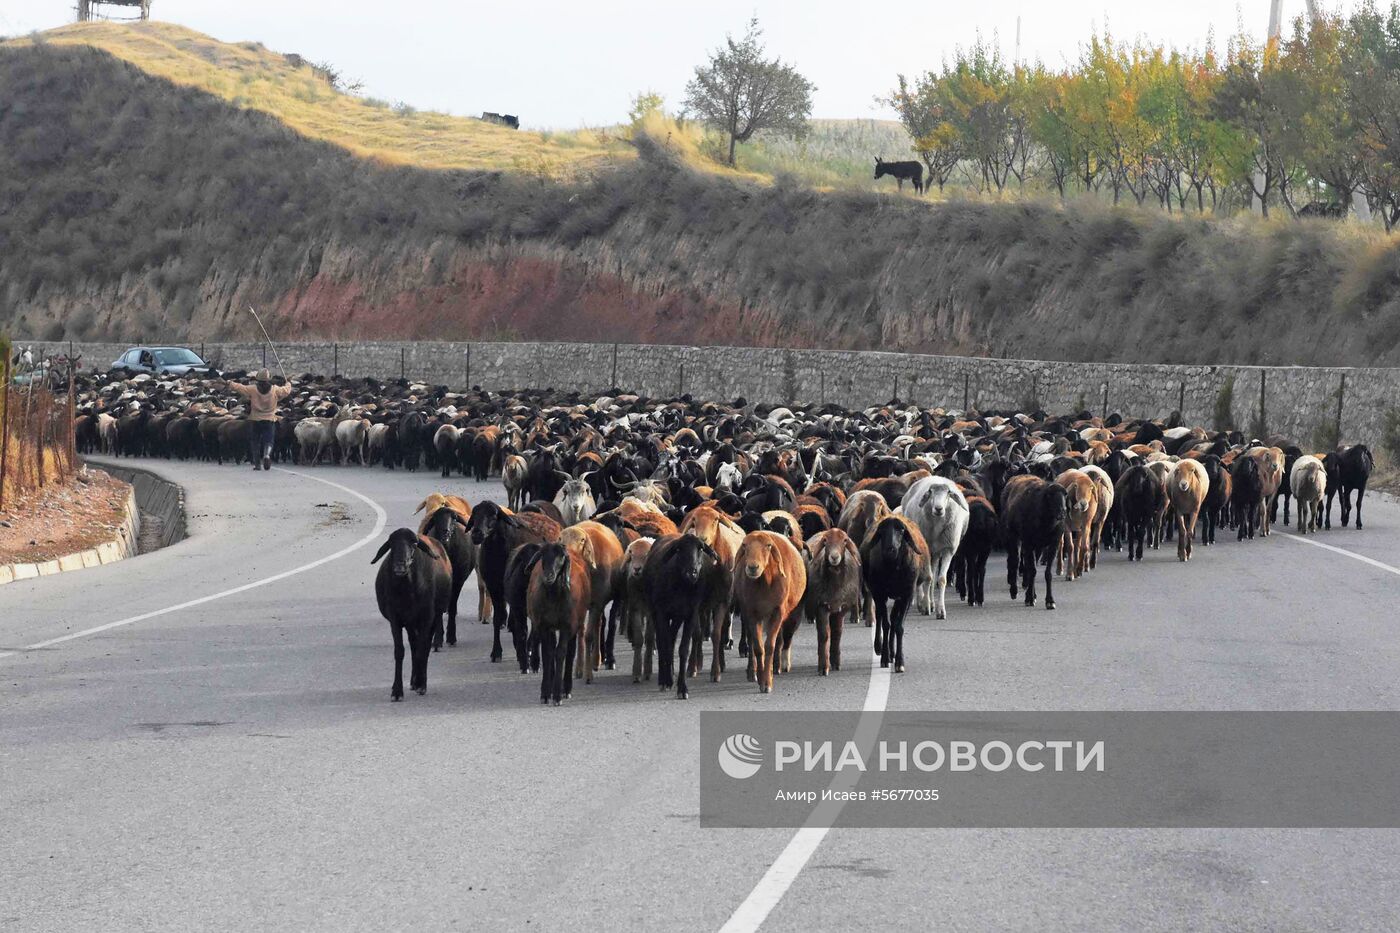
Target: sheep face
<point>554,565</point>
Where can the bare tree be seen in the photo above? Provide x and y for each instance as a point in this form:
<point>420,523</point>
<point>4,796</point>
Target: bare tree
<point>740,92</point>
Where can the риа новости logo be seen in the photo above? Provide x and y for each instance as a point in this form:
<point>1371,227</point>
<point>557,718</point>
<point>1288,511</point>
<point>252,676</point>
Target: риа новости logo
<point>740,756</point>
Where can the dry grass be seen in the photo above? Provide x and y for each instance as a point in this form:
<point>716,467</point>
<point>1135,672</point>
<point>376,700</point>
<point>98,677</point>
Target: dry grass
<point>253,77</point>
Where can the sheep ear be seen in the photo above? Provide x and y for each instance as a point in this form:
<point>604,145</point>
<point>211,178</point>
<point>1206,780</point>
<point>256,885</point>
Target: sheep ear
<point>383,549</point>
<point>423,546</point>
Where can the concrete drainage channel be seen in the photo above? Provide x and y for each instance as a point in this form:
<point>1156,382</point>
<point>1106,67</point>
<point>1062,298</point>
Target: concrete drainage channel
<point>155,519</point>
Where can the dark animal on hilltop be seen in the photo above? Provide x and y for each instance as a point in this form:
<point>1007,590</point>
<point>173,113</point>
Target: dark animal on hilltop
<point>502,119</point>
<point>1348,469</point>
<point>413,588</point>
<point>1331,210</point>
<point>1034,512</point>
<point>901,171</point>
<point>557,604</point>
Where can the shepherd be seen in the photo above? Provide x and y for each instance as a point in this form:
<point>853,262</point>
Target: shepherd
<point>913,171</point>
<point>262,398</point>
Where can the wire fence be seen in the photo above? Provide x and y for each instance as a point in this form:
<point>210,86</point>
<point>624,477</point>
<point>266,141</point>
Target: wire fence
<point>36,429</point>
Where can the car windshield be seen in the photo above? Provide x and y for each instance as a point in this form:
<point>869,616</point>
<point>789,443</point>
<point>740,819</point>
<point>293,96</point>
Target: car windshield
<point>177,356</point>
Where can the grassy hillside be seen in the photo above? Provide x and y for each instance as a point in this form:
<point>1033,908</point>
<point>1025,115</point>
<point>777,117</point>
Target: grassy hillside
<point>247,75</point>
<point>250,76</point>
<point>135,208</point>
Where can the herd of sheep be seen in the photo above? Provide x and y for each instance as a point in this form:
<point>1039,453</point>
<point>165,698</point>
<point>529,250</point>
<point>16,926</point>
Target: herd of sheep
<point>669,518</point>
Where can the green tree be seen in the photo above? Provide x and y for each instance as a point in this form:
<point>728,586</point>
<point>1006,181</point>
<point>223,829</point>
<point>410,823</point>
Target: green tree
<point>740,92</point>
<point>921,112</point>
<point>644,105</point>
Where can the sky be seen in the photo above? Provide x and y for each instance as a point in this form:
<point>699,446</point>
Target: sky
<point>565,64</point>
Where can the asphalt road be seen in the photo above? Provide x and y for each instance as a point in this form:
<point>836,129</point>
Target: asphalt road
<point>236,764</point>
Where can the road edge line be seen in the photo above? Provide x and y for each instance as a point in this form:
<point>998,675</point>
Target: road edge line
<point>381,520</point>
<point>751,914</point>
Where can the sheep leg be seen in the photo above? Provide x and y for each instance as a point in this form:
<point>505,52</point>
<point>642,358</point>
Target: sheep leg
<point>452,609</point>
<point>896,633</point>
<point>683,665</point>
<point>838,624</point>
<point>419,645</point>
<point>945,558</point>
<point>609,658</point>
<point>823,642</point>
<point>1013,563</point>
<point>1360,494</point>
<point>766,643</point>
<point>649,643</point>
<point>547,674</point>
<point>882,632</point>
<point>396,691</point>
<point>1049,592</point>
<point>1029,559</point>
<point>634,637</point>
<point>665,649</point>
<point>717,621</point>
<point>564,668</point>
<point>979,577</point>
<point>499,619</point>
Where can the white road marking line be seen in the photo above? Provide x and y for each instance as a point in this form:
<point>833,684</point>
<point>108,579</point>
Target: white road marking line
<point>789,864</point>
<point>749,916</point>
<point>1293,536</point>
<point>381,519</point>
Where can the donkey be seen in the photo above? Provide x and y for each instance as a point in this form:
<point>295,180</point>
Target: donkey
<point>913,171</point>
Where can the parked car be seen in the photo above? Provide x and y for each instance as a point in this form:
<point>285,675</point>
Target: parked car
<point>172,361</point>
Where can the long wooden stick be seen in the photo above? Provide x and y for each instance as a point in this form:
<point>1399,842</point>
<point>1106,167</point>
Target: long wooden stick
<point>275,354</point>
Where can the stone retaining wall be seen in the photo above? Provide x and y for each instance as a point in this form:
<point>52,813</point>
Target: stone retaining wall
<point>1301,402</point>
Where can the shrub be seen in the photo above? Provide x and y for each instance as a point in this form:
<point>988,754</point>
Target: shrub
<point>1223,417</point>
<point>1390,435</point>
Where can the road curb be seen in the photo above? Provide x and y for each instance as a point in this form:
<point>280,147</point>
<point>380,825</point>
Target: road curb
<point>121,546</point>
<point>161,500</point>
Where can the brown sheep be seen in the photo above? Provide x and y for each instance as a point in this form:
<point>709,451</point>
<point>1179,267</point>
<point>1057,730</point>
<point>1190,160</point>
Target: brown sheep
<point>833,592</point>
<point>1082,497</point>
<point>769,582</point>
<point>862,512</point>
<point>602,555</point>
<point>557,604</point>
<point>1187,487</point>
<point>1270,461</point>
<point>635,614</point>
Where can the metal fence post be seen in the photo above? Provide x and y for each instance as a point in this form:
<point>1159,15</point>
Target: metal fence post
<point>1104,413</point>
<point>680,388</point>
<point>1181,402</point>
<point>967,390</point>
<point>335,359</point>
<point>1263,412</point>
<point>823,387</point>
<point>1341,394</point>
<point>614,378</point>
<point>469,368</point>
<point>403,362</point>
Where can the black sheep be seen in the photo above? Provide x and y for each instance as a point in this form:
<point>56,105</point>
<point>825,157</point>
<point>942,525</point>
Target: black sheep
<point>413,587</point>
<point>450,529</point>
<point>1137,498</point>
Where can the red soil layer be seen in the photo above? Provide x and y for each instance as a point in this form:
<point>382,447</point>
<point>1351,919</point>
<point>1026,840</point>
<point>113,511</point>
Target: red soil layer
<point>526,298</point>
